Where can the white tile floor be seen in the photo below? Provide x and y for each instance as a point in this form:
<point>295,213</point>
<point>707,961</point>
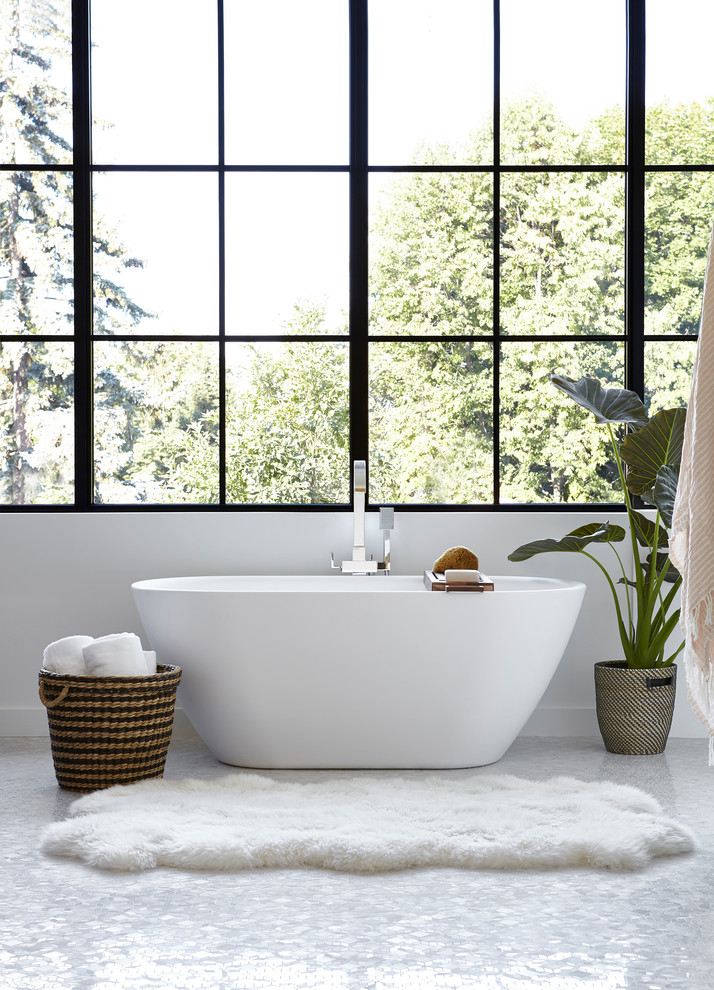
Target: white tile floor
<point>64,925</point>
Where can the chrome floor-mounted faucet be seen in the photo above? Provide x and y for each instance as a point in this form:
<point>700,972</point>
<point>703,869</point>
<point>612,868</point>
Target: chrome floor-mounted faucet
<point>359,563</point>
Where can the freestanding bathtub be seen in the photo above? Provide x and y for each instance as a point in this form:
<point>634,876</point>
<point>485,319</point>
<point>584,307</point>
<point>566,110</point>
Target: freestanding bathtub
<point>358,672</point>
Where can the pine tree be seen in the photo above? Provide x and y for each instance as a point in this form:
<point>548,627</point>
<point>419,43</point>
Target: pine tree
<point>36,254</point>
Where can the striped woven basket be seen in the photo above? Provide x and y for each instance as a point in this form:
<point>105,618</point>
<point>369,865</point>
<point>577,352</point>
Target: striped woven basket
<point>109,730</point>
<point>634,706</point>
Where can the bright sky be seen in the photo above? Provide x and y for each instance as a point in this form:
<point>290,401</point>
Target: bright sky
<point>286,102</point>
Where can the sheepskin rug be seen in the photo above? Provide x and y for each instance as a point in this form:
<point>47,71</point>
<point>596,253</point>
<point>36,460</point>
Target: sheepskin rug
<point>367,824</point>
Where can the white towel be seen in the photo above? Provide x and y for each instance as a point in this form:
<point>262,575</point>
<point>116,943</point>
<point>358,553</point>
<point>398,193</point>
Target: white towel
<point>150,658</point>
<point>65,656</point>
<point>691,544</point>
<point>116,655</point>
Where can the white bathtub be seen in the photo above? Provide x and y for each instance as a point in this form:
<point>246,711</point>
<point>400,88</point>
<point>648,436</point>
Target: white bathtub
<point>358,672</point>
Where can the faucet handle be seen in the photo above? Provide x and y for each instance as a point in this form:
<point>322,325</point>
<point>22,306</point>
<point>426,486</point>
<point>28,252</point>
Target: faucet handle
<point>386,518</point>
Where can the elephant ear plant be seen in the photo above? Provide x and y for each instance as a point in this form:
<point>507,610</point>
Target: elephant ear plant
<point>647,461</point>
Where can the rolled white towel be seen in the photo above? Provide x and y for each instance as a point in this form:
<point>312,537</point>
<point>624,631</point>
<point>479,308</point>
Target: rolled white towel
<point>116,655</point>
<point>150,657</point>
<point>65,656</point>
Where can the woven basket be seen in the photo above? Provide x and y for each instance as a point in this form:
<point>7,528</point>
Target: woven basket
<point>109,730</point>
<point>634,706</point>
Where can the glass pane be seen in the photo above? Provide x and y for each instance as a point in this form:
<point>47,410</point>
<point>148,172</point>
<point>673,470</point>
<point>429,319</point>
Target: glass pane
<point>668,374</point>
<point>155,253</point>
<point>155,422</point>
<point>36,253</point>
<point>431,254</point>
<point>679,207</point>
<point>287,82</point>
<point>36,75</point>
<point>431,82</point>
<point>562,253</point>
<point>562,99</point>
<point>287,253</point>
<point>552,450</point>
<point>680,88</point>
<point>431,423</point>
<point>287,434</point>
<point>154,82</point>
<point>36,423</point>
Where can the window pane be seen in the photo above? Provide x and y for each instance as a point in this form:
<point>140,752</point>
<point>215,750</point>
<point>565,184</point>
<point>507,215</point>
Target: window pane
<point>36,75</point>
<point>155,253</point>
<point>154,82</point>
<point>431,423</point>
<point>287,253</point>
<point>679,88</point>
<point>431,254</point>
<point>288,423</point>
<point>668,374</point>
<point>287,77</point>
<point>431,82</point>
<point>156,422</point>
<point>562,100</point>
<point>678,217</point>
<point>36,423</point>
<point>36,253</point>
<point>562,253</point>
<point>552,450</point>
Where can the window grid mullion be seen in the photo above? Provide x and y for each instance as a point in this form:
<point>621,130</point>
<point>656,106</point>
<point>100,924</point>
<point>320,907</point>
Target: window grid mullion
<point>496,285</point>
<point>359,231</point>
<point>635,198</point>
<point>82,219</point>
<point>221,205</point>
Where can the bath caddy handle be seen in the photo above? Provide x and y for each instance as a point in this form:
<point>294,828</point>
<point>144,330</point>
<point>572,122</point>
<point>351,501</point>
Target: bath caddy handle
<point>437,582</point>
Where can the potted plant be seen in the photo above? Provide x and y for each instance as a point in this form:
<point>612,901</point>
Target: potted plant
<point>634,695</point>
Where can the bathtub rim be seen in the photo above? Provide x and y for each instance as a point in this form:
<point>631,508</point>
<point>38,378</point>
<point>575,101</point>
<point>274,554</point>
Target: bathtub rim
<point>339,584</point>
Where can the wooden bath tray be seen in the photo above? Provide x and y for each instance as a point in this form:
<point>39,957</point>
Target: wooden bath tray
<point>437,582</point>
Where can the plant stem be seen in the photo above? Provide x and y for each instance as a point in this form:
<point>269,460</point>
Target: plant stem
<point>637,564</point>
<point>624,638</point>
<point>624,577</point>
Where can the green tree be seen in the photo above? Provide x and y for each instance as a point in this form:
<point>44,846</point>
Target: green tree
<point>679,214</point>
<point>562,261</point>
<point>36,255</point>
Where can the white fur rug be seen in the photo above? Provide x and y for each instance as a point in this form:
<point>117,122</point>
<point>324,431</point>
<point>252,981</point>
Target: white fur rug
<point>367,824</point>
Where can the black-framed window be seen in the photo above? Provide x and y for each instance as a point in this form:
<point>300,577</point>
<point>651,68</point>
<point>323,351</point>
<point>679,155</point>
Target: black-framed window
<point>244,244</point>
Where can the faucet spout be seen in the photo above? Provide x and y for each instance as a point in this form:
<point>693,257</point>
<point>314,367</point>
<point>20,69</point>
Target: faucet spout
<point>359,564</point>
<point>360,496</point>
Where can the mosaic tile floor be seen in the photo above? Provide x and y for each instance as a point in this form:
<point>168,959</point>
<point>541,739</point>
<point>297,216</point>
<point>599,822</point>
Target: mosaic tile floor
<point>63,925</point>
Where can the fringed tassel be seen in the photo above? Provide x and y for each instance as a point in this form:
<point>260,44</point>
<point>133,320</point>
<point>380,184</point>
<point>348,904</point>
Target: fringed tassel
<point>697,623</point>
<point>701,696</point>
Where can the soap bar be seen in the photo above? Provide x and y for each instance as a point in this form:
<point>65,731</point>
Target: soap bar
<point>462,577</point>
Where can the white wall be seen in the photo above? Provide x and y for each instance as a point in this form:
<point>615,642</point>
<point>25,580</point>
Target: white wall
<point>71,573</point>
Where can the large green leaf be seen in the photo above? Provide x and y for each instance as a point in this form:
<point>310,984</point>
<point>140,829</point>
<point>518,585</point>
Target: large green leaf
<point>572,543</point>
<point>656,445</point>
<point>665,492</point>
<point>645,531</point>
<point>671,577</point>
<point>672,572</point>
<point>608,405</point>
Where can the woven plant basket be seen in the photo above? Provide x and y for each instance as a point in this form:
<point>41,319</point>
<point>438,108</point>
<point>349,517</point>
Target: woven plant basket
<point>109,730</point>
<point>634,706</point>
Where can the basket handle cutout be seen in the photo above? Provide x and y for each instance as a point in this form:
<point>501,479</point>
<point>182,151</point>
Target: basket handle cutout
<point>51,702</point>
<point>655,682</point>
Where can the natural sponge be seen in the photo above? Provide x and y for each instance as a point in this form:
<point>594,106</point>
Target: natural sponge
<point>456,559</point>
